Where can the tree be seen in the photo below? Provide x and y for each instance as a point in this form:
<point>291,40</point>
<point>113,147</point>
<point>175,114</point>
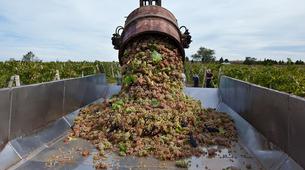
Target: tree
<point>204,55</point>
<point>281,62</point>
<point>226,60</point>
<point>250,60</point>
<point>187,59</point>
<point>221,60</point>
<point>299,62</point>
<point>289,61</point>
<point>29,57</point>
<point>269,62</point>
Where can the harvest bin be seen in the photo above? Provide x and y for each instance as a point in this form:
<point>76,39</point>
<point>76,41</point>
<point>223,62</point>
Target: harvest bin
<point>35,120</point>
<point>151,19</point>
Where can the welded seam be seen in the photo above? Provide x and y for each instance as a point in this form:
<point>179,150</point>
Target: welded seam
<point>29,157</point>
<point>289,125</point>
<point>274,165</point>
<point>20,157</point>
<point>37,151</point>
<point>64,98</point>
<point>66,120</point>
<point>10,116</point>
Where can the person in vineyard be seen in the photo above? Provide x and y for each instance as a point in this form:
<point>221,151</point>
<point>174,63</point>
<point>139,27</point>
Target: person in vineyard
<point>196,80</point>
<point>208,78</point>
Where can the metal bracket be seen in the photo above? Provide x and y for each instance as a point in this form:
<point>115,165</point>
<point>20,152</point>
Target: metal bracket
<point>117,38</point>
<point>186,37</point>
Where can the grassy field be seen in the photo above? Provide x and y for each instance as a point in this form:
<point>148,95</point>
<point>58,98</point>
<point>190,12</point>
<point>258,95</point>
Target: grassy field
<point>287,78</point>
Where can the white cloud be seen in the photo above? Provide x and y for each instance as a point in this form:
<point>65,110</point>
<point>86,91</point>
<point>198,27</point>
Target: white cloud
<point>81,30</point>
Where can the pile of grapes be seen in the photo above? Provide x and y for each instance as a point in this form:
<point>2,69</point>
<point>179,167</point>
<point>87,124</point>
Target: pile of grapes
<point>151,115</point>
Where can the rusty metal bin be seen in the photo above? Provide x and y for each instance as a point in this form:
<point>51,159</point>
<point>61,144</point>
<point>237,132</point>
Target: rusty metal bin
<point>151,19</point>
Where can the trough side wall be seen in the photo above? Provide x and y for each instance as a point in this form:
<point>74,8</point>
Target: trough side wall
<point>26,109</point>
<point>278,116</point>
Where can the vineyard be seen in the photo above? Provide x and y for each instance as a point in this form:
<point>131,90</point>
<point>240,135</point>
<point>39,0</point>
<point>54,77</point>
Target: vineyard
<point>38,72</point>
<point>286,78</point>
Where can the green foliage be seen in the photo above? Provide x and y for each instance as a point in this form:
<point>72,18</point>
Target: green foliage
<point>221,60</point>
<point>250,60</point>
<point>182,164</point>
<point>38,72</point>
<point>123,148</point>
<point>128,80</point>
<point>289,79</point>
<point>155,103</point>
<point>286,78</point>
<point>156,57</point>
<point>28,57</point>
<point>205,55</point>
<point>117,105</point>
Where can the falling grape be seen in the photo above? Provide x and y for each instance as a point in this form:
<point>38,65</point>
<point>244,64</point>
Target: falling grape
<point>151,115</point>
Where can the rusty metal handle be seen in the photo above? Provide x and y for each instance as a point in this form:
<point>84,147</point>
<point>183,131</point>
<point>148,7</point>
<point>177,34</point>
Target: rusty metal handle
<point>117,38</point>
<point>186,38</point>
<point>118,29</point>
<point>184,28</point>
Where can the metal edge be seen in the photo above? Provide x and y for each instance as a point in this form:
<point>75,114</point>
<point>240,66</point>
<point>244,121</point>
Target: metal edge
<point>50,82</point>
<point>259,86</point>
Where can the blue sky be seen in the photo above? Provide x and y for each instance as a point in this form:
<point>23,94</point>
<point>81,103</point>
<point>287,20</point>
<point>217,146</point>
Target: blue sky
<point>82,29</point>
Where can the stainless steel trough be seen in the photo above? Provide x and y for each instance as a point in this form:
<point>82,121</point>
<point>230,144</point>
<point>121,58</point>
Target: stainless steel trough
<point>36,119</point>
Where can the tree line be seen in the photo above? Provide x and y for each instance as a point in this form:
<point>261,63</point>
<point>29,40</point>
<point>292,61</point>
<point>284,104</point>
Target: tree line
<point>206,55</point>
